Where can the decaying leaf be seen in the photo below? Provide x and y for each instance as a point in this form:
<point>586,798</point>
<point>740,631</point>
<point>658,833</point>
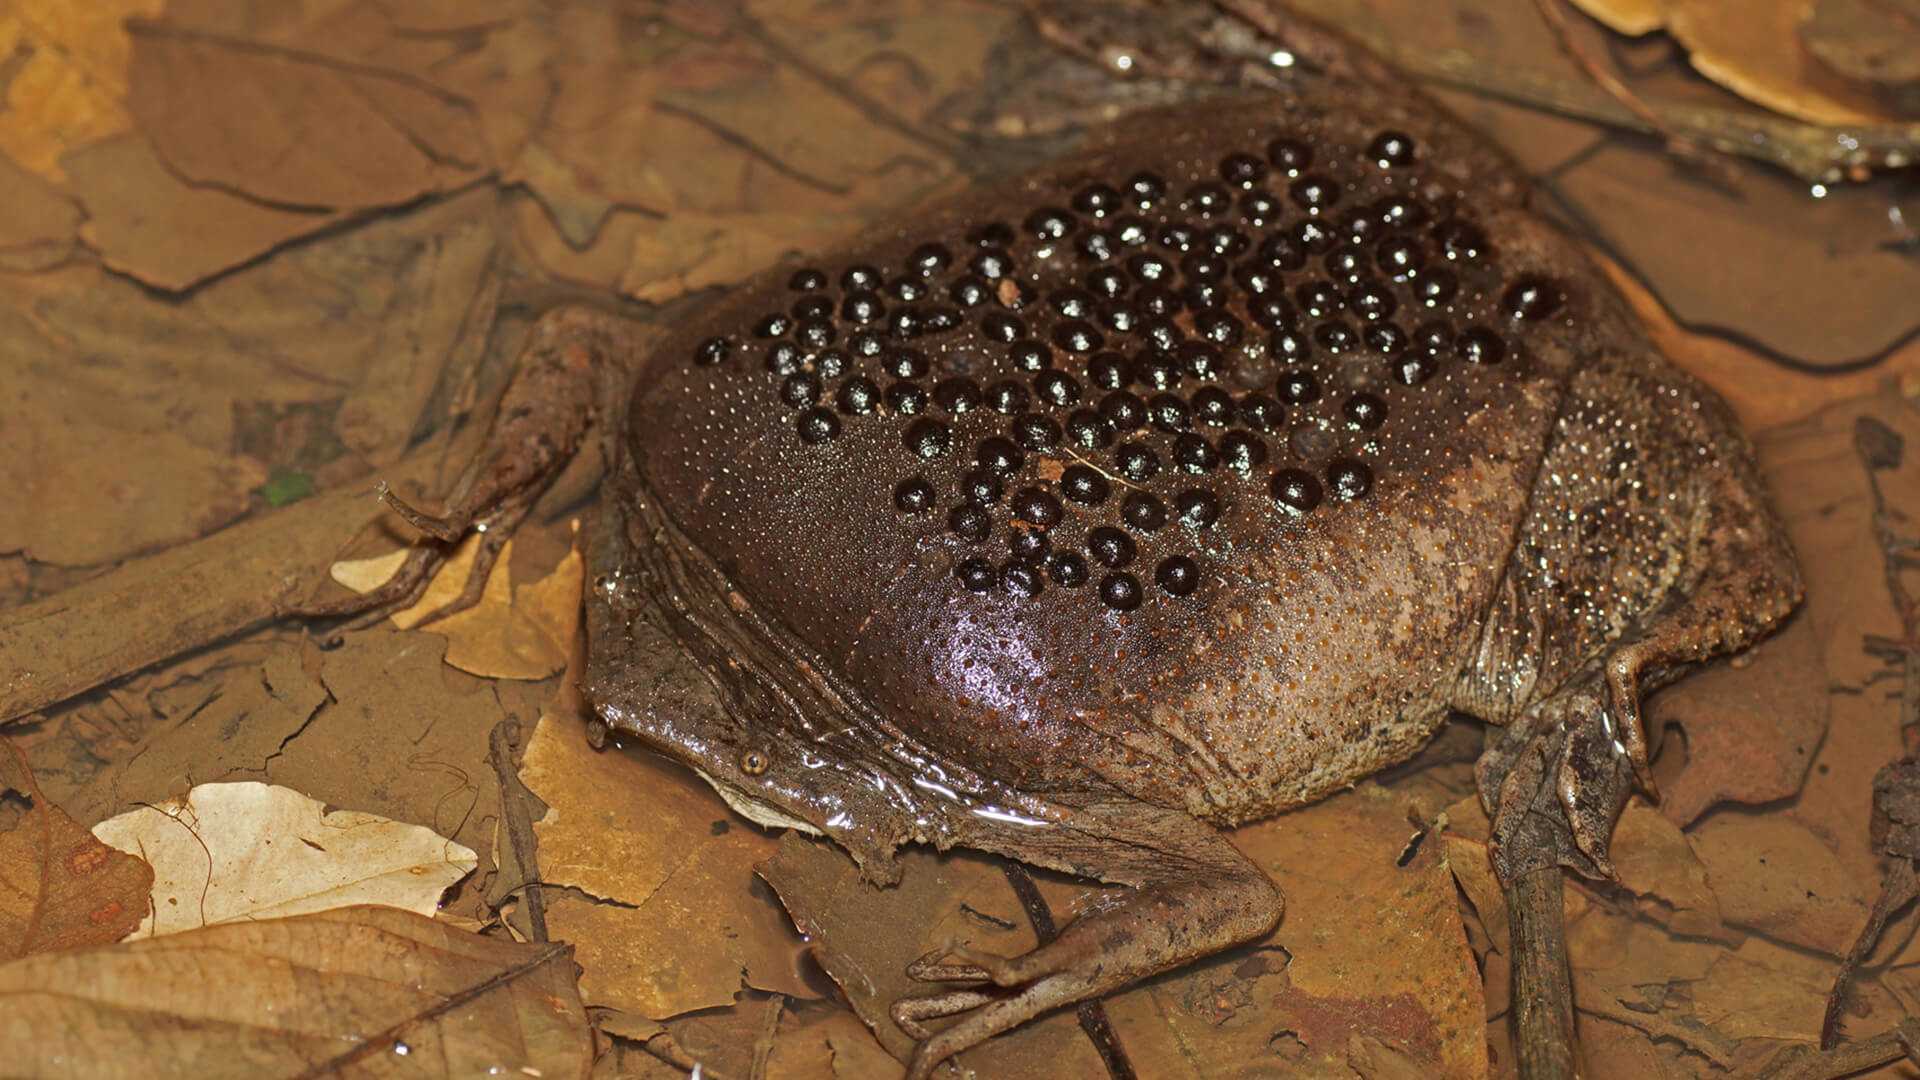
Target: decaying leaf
<point>334,992</point>
<point>59,887</point>
<point>1753,48</point>
<point>37,229</point>
<point>1631,17</point>
<point>67,76</point>
<point>1872,43</point>
<point>295,129</point>
<point>250,851</point>
<point>669,917</point>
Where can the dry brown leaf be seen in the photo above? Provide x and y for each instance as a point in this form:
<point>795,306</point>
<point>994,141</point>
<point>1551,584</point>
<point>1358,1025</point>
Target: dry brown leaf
<point>148,224</point>
<point>685,921</point>
<point>1773,874</point>
<point>511,633</point>
<point>71,78</point>
<point>1753,48</point>
<point>1654,860</point>
<point>37,222</point>
<point>249,851</point>
<point>297,129</point>
<point>1630,17</point>
<point>339,991</point>
<point>405,737</point>
<point>59,887</point>
<point>1874,44</point>
<point>690,251</point>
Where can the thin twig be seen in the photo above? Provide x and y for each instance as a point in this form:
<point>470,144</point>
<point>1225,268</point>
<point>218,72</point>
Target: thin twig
<point>1092,1014</point>
<point>1544,1039</point>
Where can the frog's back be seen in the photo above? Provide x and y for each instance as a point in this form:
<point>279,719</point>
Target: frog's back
<point>1187,465</point>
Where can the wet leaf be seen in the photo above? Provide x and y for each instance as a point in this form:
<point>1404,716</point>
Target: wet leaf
<point>344,990</point>
<point>249,851</point>
<point>38,222</point>
<point>1754,49</point>
<point>1632,17</point>
<point>68,87</point>
<point>1874,44</point>
<point>669,918</point>
<point>59,887</point>
<point>512,633</point>
<point>294,129</point>
<point>1774,874</point>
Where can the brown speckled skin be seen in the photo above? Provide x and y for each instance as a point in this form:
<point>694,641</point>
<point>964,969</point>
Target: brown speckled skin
<point>1541,535</point>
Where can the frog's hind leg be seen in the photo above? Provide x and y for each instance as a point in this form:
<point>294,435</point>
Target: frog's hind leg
<point>1193,895</point>
<point>570,372</point>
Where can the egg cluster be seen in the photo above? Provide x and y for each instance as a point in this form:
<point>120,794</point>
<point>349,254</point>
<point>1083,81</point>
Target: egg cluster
<point>1112,338</point>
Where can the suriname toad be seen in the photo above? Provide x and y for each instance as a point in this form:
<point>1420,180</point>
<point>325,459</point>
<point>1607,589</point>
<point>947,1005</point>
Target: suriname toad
<point>1180,482</point>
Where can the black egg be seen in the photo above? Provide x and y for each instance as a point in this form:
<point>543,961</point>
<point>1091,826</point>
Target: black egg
<point>906,289</point>
<point>1097,200</point>
<point>1136,462</point>
<point>1030,356</point>
<point>867,344</point>
<point>858,395</point>
<point>982,487</point>
<point>1109,371</point>
<point>1096,245</point>
<point>906,322</point>
<point>1169,413</point>
<point>1335,336</point>
<point>907,398</point>
<point>1126,412</point>
<point>1314,193</point>
<point>913,495</point>
<point>1433,338</point>
<point>1532,297</point>
<point>1195,454</point>
<point>1391,149</point>
<point>1295,490</point>
<point>999,454</point>
<point>1110,547</point>
<point>1119,317</point>
<point>1197,507</point>
<point>1398,256</point>
<point>1028,545</point>
<point>1071,303</point>
<point>1315,236</point>
<point>1036,507</point>
<point>1289,155</point>
<point>1036,432</point>
<point>1479,345</point>
<point>1056,388</point>
<point>1178,575</point>
<point>1436,286</point>
<point>1346,262</point>
<point>800,388</point>
<point>1385,338</point>
<point>928,439</point>
<point>1225,241</point>
<point>1132,231</point>
<point>1212,406</point>
<point>1319,299</point>
<point>1365,411</point>
<point>1280,251</point>
<point>958,396</point>
<point>1461,240</point>
<point>1121,592</point>
<point>1415,368</point>
<point>1068,570</point>
<point>1298,387</point>
<point>1349,479</point>
<point>975,575</point>
<point>1088,429</point>
<point>906,364</point>
<point>1208,199</point>
<point>1076,336</point>
<point>970,522</point>
<point>1109,282</point>
<point>992,234</point>
<point>929,259</point>
<point>807,280</point>
<point>1143,511</point>
<point>1272,311</point>
<point>1360,224</point>
<point>1242,452</point>
<point>1260,207</point>
<point>1146,188</point>
<point>1372,301</point>
<point>1050,223</point>
<point>1203,266</point>
<point>970,291</point>
<point>1002,327</point>
<point>1022,578</point>
<point>1008,397</point>
<point>784,358</point>
<point>1156,371</point>
<point>815,333</point>
<point>813,306</point>
<point>991,263</point>
<point>1203,295</point>
<point>831,364</point>
<point>1201,360</point>
<point>1148,269</point>
<point>818,425</point>
<point>860,277</point>
<point>1220,328</point>
<point>1259,412</point>
<point>712,351</point>
<point>1084,485</point>
<point>1242,170</point>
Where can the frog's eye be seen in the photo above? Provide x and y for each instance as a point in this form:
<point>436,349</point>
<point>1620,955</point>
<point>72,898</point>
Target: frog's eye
<point>753,763</point>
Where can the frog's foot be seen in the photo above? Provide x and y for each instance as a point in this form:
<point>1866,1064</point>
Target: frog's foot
<point>1193,895</point>
<point>573,364</point>
<point>1555,781</point>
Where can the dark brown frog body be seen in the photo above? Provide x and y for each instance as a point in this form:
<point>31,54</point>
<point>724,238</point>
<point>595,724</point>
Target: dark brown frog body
<point>1181,482</point>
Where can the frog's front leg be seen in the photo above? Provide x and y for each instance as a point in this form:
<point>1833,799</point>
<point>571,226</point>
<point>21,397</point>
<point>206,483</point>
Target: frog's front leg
<point>1192,895</point>
<point>571,374</point>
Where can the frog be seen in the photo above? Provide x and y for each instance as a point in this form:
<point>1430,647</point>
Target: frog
<point>1191,477</point>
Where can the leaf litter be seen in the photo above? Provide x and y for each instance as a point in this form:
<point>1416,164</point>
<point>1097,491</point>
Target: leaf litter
<point>199,307</point>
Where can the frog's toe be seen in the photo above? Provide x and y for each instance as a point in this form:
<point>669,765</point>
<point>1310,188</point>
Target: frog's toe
<point>1555,782</point>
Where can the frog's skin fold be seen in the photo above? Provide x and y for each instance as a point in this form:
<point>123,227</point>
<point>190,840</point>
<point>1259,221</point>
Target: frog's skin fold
<point>890,616</point>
